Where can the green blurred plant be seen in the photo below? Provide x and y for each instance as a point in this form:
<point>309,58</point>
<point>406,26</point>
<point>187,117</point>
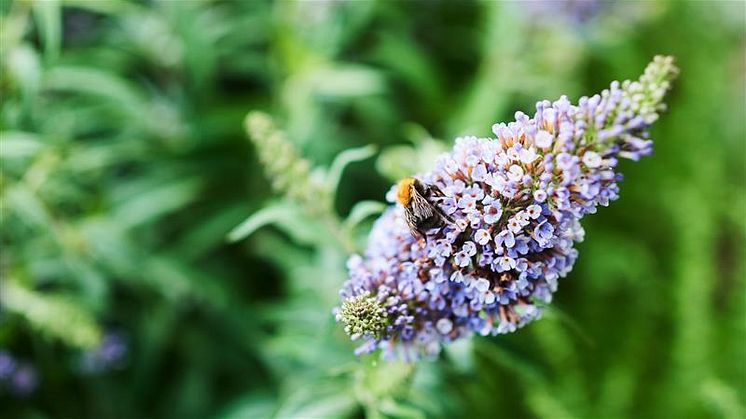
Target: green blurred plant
<point>314,191</point>
<point>124,167</point>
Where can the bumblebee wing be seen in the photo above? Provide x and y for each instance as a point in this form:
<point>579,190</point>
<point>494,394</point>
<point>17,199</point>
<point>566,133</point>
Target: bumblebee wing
<point>422,208</point>
<point>427,215</point>
<point>435,192</point>
<point>411,220</point>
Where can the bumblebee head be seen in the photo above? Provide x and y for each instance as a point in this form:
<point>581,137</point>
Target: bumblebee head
<point>404,190</point>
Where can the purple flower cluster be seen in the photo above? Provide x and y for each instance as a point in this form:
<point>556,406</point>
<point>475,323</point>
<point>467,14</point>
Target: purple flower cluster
<point>18,377</point>
<point>109,354</point>
<point>573,11</point>
<point>516,201</point>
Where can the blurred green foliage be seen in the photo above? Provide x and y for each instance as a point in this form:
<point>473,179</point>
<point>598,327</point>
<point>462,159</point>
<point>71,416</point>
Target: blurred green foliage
<point>125,167</point>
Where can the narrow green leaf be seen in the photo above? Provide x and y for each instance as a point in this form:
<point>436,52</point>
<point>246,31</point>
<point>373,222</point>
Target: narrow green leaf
<point>343,81</point>
<point>338,405</point>
<point>48,15</point>
<point>110,7</point>
<point>721,398</point>
<point>54,315</point>
<point>269,214</point>
<point>397,409</point>
<point>343,159</point>
<point>14,144</point>
<point>259,405</point>
<point>25,204</point>
<point>323,400</point>
<point>150,204</point>
<point>398,161</point>
<point>99,83</point>
<point>24,68</point>
<point>286,216</point>
<point>363,210</point>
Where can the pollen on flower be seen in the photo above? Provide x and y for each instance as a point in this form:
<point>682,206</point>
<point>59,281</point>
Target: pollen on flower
<point>516,202</point>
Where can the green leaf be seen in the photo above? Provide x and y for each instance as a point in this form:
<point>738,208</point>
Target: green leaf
<point>721,398</point>
<point>14,144</point>
<point>330,399</point>
<point>24,69</point>
<point>111,7</point>
<point>283,214</point>
<point>102,84</point>
<point>343,159</point>
<point>171,277</point>
<point>269,214</point>
<point>55,315</point>
<point>398,161</point>
<point>344,81</point>
<point>256,405</point>
<point>333,405</point>
<point>518,364</point>
<point>363,210</point>
<point>49,19</point>
<point>461,354</point>
<point>25,204</point>
<point>566,319</point>
<point>378,381</point>
<point>152,203</point>
<point>399,410</point>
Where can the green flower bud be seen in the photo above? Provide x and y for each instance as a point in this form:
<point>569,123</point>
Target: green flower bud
<point>363,315</point>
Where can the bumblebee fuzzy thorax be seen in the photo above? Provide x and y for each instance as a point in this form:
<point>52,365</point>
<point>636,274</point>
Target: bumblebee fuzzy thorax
<point>404,190</point>
<point>420,213</point>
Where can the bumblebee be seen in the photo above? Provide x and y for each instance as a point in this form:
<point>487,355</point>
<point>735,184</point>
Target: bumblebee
<point>420,213</point>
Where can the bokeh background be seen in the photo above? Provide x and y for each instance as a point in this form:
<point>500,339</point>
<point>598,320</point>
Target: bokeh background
<point>127,290</point>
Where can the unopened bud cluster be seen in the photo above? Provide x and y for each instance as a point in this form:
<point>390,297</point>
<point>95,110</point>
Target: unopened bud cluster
<point>288,171</point>
<point>363,315</point>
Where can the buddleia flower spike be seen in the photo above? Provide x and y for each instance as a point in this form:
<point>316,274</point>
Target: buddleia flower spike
<point>516,202</point>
